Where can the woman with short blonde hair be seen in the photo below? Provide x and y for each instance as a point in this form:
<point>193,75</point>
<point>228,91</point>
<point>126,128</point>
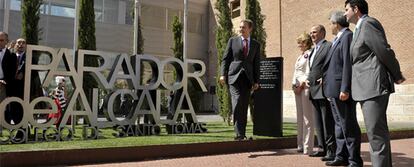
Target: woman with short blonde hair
<point>303,105</point>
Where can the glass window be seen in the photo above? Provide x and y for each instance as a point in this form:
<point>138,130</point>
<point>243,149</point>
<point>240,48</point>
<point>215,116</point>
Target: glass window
<point>129,12</point>
<point>235,9</point>
<point>194,22</point>
<point>153,16</point>
<point>98,6</point>
<point>110,11</point>
<point>63,11</point>
<point>15,4</point>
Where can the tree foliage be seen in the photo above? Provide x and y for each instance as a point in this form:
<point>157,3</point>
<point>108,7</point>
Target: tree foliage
<point>178,47</point>
<point>87,40</point>
<point>177,29</point>
<point>31,32</point>
<point>253,12</point>
<point>30,21</point>
<point>224,32</point>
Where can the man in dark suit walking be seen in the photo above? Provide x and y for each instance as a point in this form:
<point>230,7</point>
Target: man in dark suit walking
<point>374,72</point>
<point>324,123</point>
<point>337,89</point>
<point>7,74</point>
<point>240,70</point>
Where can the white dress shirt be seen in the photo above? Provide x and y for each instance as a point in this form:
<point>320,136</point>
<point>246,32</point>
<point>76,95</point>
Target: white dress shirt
<point>2,52</point>
<point>318,45</point>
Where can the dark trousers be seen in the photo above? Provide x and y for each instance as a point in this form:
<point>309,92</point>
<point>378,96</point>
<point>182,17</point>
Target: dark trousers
<point>347,131</point>
<point>324,126</point>
<point>240,92</point>
<point>375,119</point>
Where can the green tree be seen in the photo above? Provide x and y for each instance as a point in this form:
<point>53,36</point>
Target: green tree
<point>31,32</point>
<point>140,45</point>
<point>177,29</point>
<point>30,21</point>
<point>195,94</point>
<point>87,41</point>
<point>253,12</point>
<point>224,32</point>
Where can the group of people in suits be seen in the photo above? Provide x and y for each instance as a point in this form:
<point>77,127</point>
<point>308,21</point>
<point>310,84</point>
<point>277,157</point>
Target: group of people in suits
<point>12,69</point>
<point>355,67</point>
<point>329,80</point>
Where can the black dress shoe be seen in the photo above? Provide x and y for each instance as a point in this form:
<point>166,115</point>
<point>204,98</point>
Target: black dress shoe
<point>337,162</point>
<point>317,154</point>
<point>240,138</point>
<point>328,158</point>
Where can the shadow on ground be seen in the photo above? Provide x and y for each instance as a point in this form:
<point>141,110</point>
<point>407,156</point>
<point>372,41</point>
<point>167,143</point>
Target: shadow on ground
<point>398,159</point>
<point>274,153</point>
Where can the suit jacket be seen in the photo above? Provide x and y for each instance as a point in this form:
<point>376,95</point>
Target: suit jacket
<point>338,67</point>
<point>374,66</point>
<point>21,67</point>
<point>234,62</point>
<point>301,69</point>
<point>316,70</point>
<point>9,66</point>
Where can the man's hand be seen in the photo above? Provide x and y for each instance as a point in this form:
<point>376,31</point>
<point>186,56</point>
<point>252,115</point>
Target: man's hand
<point>343,96</point>
<point>319,81</point>
<point>3,82</point>
<point>307,83</point>
<point>255,86</point>
<point>222,80</point>
<point>400,81</point>
<point>297,90</point>
<point>303,85</point>
<point>19,76</point>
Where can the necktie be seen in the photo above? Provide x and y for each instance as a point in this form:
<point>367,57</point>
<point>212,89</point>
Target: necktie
<point>355,32</point>
<point>245,48</point>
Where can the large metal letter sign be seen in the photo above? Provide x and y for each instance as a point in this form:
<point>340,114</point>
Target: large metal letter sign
<point>112,68</point>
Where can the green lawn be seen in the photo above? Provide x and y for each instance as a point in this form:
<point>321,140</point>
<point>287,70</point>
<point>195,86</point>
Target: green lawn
<point>217,132</point>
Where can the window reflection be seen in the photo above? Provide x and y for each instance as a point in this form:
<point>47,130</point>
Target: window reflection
<point>120,12</point>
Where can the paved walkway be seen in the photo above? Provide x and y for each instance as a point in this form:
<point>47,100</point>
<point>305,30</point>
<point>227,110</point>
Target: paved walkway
<point>403,156</point>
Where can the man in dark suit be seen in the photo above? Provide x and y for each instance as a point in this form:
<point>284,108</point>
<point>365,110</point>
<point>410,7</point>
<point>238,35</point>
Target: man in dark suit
<point>21,62</point>
<point>337,89</point>
<point>374,72</point>
<point>240,70</point>
<point>7,74</point>
<point>18,83</point>
<point>324,123</point>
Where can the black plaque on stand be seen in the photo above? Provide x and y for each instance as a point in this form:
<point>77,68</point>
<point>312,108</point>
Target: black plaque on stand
<point>267,114</point>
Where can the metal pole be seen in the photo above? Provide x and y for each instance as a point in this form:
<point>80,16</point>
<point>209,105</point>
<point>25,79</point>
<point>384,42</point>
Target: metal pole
<point>6,16</point>
<point>75,28</point>
<point>185,45</point>
<point>185,38</point>
<point>136,17</point>
<point>75,47</point>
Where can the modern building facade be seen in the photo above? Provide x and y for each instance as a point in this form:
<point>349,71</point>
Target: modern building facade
<point>285,20</point>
